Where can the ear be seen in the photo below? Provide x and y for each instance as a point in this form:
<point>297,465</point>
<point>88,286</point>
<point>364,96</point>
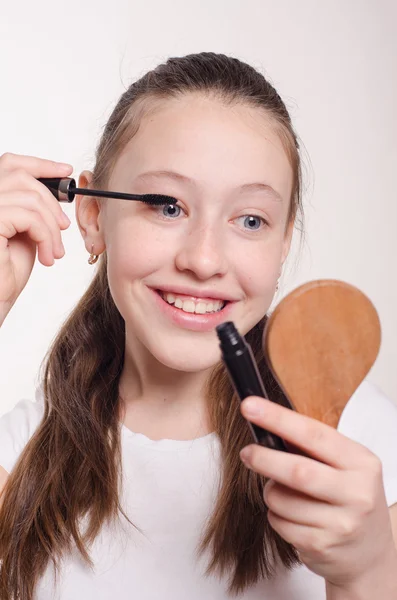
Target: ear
<point>88,213</point>
<point>287,241</point>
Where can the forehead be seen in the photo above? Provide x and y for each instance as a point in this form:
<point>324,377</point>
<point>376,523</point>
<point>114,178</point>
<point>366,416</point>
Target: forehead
<point>209,141</point>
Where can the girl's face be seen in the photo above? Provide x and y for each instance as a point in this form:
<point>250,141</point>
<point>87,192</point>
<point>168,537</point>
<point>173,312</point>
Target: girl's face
<point>225,241</point>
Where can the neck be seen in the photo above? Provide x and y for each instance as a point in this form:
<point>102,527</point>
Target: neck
<point>161,402</point>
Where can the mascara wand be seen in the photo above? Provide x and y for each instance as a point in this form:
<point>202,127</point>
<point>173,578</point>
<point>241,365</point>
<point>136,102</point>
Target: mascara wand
<point>64,189</point>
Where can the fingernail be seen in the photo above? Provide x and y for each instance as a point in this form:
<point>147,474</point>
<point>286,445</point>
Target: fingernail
<point>252,408</point>
<point>245,454</point>
<point>66,219</point>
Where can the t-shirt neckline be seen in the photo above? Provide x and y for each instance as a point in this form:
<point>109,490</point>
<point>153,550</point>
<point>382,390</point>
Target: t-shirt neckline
<point>165,443</point>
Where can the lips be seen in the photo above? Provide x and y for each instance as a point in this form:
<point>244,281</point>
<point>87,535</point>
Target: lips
<point>192,321</point>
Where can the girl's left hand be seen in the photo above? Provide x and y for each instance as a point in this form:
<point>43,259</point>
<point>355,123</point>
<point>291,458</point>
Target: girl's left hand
<point>334,512</point>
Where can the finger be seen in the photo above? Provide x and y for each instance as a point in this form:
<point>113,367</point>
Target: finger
<point>298,507</point>
<point>294,533</point>
<point>17,219</point>
<point>22,180</point>
<point>299,473</point>
<point>317,439</point>
<point>38,167</point>
<point>33,201</point>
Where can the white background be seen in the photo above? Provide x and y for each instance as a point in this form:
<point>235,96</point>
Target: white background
<point>65,64</point>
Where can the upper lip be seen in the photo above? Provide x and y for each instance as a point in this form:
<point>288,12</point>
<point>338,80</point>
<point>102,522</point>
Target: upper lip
<point>202,293</point>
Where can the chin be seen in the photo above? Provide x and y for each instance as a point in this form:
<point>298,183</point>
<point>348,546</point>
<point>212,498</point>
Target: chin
<point>189,361</point>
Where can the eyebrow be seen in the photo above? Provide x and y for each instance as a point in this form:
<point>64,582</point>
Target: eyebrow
<point>253,187</point>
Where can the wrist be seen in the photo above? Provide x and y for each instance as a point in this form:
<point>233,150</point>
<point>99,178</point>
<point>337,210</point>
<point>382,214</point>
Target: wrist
<point>378,583</point>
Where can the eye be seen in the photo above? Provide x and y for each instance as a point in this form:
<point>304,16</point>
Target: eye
<point>170,210</point>
<point>252,222</point>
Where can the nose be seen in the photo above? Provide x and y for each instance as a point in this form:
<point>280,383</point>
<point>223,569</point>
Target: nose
<point>202,253</point>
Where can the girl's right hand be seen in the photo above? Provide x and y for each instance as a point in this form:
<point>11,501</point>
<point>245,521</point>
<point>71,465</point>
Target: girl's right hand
<point>30,216</point>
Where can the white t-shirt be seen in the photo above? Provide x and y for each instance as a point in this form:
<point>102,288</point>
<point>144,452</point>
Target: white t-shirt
<point>169,490</point>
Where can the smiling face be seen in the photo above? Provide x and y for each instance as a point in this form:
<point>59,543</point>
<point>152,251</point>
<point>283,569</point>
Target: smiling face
<point>225,240</point>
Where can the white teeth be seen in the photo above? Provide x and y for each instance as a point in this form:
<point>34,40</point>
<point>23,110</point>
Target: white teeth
<point>190,306</point>
<point>201,308</point>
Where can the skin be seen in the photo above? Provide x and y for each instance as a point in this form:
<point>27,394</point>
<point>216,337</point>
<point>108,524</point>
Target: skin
<point>332,507</point>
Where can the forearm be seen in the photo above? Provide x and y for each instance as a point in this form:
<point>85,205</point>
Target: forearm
<point>3,313</point>
<point>377,584</point>
<point>5,308</point>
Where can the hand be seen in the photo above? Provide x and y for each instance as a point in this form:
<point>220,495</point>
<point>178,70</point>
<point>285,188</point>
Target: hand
<point>334,512</point>
<point>30,216</point>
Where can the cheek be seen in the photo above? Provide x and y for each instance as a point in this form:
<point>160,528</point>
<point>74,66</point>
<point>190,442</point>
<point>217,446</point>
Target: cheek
<point>258,268</point>
<point>136,250</point>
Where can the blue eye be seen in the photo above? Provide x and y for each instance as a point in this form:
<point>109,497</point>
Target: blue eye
<point>172,210</point>
<point>253,222</point>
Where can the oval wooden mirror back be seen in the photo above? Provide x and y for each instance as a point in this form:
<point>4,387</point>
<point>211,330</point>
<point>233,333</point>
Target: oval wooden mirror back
<point>320,342</point>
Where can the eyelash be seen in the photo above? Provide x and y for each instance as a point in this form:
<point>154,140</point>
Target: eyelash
<point>161,208</point>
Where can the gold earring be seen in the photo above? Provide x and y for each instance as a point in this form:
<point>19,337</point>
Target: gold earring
<point>93,257</point>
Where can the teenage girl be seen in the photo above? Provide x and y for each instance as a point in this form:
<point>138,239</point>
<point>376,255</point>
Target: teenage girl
<point>125,478</point>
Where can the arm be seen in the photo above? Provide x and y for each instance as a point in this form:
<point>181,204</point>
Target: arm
<point>3,479</point>
<point>5,308</point>
<point>378,584</point>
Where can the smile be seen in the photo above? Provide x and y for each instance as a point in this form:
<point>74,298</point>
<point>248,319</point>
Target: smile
<point>193,313</point>
<point>199,306</point>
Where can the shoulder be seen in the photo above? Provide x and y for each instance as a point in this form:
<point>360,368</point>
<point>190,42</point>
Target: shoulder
<point>370,418</point>
<point>17,426</point>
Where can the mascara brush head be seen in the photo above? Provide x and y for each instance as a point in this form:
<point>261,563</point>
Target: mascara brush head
<point>157,199</point>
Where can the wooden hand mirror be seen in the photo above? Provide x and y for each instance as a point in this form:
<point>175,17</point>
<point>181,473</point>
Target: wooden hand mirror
<point>320,342</point>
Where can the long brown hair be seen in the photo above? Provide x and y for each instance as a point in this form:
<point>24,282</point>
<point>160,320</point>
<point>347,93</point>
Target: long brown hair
<point>71,467</point>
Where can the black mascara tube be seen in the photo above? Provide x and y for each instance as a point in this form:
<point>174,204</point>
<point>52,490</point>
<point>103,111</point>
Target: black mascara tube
<point>241,365</point>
